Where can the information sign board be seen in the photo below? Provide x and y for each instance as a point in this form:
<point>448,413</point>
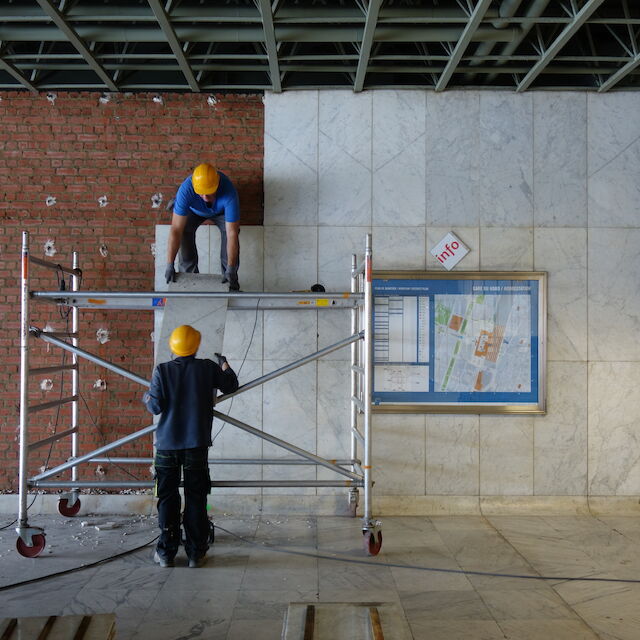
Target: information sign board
<point>460,342</point>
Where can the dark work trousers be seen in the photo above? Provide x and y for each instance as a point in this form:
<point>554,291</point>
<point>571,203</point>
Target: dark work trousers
<point>197,485</point>
<point>188,250</point>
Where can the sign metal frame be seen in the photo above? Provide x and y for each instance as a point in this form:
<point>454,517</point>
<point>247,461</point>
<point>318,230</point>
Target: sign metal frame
<point>488,281</point>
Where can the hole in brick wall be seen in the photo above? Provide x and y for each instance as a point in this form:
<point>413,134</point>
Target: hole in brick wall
<point>50,201</point>
<point>104,252</point>
<point>103,335</point>
<point>50,248</point>
<point>46,384</point>
<point>100,384</point>
<point>156,200</point>
<point>102,201</point>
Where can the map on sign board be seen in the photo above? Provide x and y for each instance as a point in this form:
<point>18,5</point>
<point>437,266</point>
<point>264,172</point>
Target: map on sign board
<point>472,341</point>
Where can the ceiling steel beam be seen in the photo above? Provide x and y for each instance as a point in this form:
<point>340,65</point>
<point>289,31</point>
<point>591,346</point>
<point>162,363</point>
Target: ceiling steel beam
<point>463,43</point>
<point>567,33</point>
<point>367,41</point>
<point>10,69</point>
<point>235,33</point>
<point>621,73</point>
<point>270,44</point>
<point>75,40</point>
<point>174,43</point>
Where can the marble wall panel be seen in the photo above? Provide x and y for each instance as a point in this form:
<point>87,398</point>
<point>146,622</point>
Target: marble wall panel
<point>614,294</point>
<point>398,452</point>
<point>334,326</point>
<point>290,186</point>
<point>452,170</point>
<point>160,253</point>
<point>613,159</point>
<point>243,336</point>
<point>205,265</point>
<point>291,158</point>
<point>506,248</point>
<point>506,159</point>
<point>399,165</point>
<point>251,272</point>
<point>292,119</point>
<point>230,441</point>
<point>506,455</point>
<point>562,253</point>
<point>614,436</point>
<point>336,245</point>
<point>290,258</point>
<point>469,235</point>
<point>289,413</point>
<point>333,410</point>
<point>399,248</point>
<point>560,436</point>
<point>452,455</point>
<point>344,159</point>
<point>560,159</point>
<point>290,334</point>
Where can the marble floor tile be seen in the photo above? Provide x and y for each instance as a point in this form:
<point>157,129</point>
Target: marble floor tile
<point>456,630</point>
<point>435,569</point>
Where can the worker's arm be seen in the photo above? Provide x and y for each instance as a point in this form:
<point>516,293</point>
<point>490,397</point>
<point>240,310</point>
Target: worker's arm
<point>233,253</point>
<point>178,224</point>
<point>153,399</point>
<point>227,381</point>
<point>233,243</point>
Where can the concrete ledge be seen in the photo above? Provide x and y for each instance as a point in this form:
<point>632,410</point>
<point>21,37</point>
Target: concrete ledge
<point>337,505</point>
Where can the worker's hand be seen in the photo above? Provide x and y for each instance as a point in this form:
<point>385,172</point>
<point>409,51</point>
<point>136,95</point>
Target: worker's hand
<point>221,359</point>
<point>231,274</point>
<point>170,273</point>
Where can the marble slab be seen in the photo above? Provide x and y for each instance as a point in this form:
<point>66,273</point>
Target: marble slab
<point>560,159</point>
<point>562,253</point>
<point>399,158</point>
<point>613,158</point>
<point>506,455</point>
<point>613,434</point>
<point>398,454</point>
<point>207,315</point>
<point>344,158</point>
<point>506,159</point>
<point>506,248</point>
<point>452,165</point>
<point>452,455</point>
<point>614,300</point>
<point>560,436</point>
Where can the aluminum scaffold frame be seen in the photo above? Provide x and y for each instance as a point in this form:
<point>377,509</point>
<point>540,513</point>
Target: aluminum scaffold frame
<point>358,473</point>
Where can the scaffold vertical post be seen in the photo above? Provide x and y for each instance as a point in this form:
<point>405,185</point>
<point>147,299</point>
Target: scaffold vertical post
<point>353,413</point>
<point>75,375</point>
<point>24,379</point>
<point>368,378</point>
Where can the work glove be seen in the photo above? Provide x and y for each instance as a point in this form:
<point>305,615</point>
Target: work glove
<point>221,359</point>
<point>170,273</point>
<point>231,274</point>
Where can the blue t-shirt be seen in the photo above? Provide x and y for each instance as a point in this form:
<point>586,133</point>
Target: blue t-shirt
<point>227,202</point>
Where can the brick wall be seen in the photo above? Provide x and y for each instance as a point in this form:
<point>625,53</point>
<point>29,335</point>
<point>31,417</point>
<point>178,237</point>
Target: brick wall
<point>77,149</point>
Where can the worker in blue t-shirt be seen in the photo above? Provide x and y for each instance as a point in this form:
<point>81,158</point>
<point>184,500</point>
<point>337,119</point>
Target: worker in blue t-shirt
<point>207,194</point>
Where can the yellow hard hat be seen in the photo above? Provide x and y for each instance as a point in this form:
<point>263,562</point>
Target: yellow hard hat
<point>205,179</point>
<point>184,340</point>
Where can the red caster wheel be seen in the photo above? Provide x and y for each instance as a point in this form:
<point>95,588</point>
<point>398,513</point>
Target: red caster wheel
<point>39,542</point>
<point>65,510</point>
<point>372,542</point>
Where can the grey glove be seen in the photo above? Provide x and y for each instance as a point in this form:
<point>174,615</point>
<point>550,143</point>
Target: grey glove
<point>221,359</point>
<point>231,274</point>
<point>170,273</point>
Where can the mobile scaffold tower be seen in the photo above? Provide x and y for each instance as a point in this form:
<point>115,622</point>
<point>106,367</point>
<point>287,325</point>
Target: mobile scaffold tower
<point>357,469</point>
